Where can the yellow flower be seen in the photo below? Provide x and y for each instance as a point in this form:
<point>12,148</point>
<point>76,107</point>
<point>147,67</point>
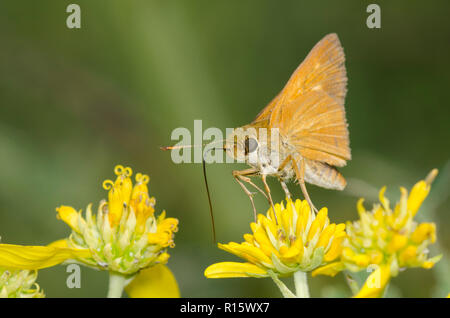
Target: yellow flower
<point>124,236</point>
<point>19,284</point>
<point>386,240</point>
<point>296,240</point>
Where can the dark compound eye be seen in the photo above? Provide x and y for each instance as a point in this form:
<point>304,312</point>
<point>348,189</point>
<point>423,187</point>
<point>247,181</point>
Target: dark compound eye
<point>250,145</point>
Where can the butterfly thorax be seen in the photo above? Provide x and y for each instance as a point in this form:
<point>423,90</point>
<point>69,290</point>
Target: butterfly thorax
<point>270,163</point>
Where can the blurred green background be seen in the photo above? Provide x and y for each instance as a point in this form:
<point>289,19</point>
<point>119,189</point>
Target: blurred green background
<point>76,102</point>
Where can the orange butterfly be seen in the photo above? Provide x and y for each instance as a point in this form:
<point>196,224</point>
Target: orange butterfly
<point>308,120</point>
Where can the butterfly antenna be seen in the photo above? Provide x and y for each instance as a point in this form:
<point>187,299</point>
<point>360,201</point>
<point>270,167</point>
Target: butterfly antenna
<point>165,148</point>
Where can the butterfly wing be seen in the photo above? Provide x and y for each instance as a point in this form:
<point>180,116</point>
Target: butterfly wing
<point>323,69</point>
<point>315,125</point>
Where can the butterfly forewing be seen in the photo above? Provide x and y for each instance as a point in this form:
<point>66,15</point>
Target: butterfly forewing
<point>323,69</point>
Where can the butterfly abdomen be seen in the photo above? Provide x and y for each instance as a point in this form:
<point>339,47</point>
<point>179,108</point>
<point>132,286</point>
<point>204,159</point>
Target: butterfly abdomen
<point>323,175</point>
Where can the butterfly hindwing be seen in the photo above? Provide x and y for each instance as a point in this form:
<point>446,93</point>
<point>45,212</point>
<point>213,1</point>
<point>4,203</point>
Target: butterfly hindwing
<point>316,126</point>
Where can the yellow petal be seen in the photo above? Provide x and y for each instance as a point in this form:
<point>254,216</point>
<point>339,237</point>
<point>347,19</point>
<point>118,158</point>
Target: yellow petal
<point>326,235</point>
<point>335,249</point>
<point>231,248</point>
<point>154,282</point>
<point>69,215</point>
<point>359,259</point>
<point>163,258</point>
<point>376,257</point>
<point>398,242</point>
<point>168,225</point>
<point>269,225</point>
<point>59,243</point>
<point>318,223</point>
<point>384,201</point>
<point>247,251</point>
<point>360,207</point>
<point>423,232</point>
<point>330,269</point>
<point>322,217</point>
<point>294,251</point>
<point>261,236</point>
<point>264,242</point>
<point>340,228</point>
<point>234,269</point>
<point>248,238</point>
<point>362,260</point>
<point>304,214</point>
<point>408,254</point>
<point>159,238</point>
<point>37,257</point>
<point>315,227</point>
<point>375,283</point>
<point>418,193</point>
<point>115,205</point>
<point>286,218</point>
<point>427,264</point>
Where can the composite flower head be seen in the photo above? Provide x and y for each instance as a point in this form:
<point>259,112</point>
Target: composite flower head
<point>387,239</point>
<point>296,240</point>
<point>125,235</point>
<point>19,284</point>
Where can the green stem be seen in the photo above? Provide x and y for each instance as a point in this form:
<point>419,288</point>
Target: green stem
<point>301,284</point>
<point>116,285</point>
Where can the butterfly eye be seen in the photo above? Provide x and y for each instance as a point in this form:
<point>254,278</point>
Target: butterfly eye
<point>250,145</point>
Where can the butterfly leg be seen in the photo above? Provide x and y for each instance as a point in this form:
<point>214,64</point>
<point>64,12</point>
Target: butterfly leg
<point>300,172</point>
<point>285,189</point>
<point>266,186</point>
<point>242,176</point>
<point>283,184</point>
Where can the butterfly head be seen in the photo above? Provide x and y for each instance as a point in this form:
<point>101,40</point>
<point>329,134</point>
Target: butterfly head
<point>241,144</point>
